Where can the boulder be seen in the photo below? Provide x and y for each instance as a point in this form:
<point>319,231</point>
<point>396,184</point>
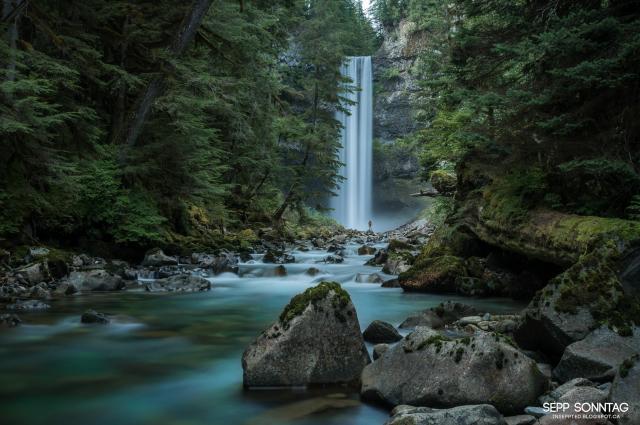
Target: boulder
<point>36,254</point>
<point>34,273</point>
<point>316,340</point>
<point>225,262</point>
<point>156,258</point>
<point>435,274</point>
<point>626,389</point>
<point>546,328</point>
<point>381,332</point>
<point>481,414</point>
<point>278,257</point>
<point>92,316</point>
<point>368,278</point>
<point>9,320</point>
<point>379,350</point>
<point>95,280</point>
<point>28,305</point>
<point>366,250</point>
<point>379,258</point>
<point>598,356</point>
<point>439,316</point>
<point>390,283</point>
<point>444,182</point>
<point>179,283</point>
<point>395,265</point>
<point>429,369</point>
<point>312,271</point>
<point>333,259</point>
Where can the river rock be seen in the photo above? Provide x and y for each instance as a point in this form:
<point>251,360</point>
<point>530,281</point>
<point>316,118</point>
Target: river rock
<point>312,271</point>
<point>381,332</point>
<point>561,390</point>
<point>9,320</point>
<point>379,350</point>
<point>428,369</point>
<point>278,257</point>
<point>36,254</point>
<point>379,258</point>
<point>598,356</point>
<point>156,258</point>
<point>28,305</point>
<point>333,259</point>
<point>395,265</point>
<point>92,316</point>
<point>439,316</point>
<point>225,262</point>
<point>179,283</point>
<point>368,278</point>
<point>366,250</point>
<point>580,394</point>
<point>626,389</point>
<point>95,280</point>
<point>481,414</point>
<point>547,329</point>
<point>34,273</point>
<point>317,340</point>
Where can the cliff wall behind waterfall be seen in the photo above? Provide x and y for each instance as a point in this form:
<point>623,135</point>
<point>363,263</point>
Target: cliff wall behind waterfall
<point>396,167</point>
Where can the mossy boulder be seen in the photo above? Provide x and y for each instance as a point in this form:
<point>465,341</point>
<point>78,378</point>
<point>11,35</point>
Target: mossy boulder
<point>444,181</point>
<point>428,369</point>
<point>433,274</point>
<point>316,341</point>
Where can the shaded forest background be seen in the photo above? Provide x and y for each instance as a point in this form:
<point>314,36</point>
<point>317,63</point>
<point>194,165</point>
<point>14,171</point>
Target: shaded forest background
<point>121,123</point>
<point>239,128</point>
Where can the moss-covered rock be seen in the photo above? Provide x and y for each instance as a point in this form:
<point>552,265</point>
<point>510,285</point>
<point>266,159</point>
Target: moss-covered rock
<point>443,181</point>
<point>316,341</point>
<point>433,274</point>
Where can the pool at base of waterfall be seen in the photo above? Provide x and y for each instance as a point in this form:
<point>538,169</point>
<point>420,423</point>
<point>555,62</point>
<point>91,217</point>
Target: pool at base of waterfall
<point>175,358</point>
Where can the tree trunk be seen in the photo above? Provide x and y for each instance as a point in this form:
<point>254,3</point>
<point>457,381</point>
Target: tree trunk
<point>140,111</point>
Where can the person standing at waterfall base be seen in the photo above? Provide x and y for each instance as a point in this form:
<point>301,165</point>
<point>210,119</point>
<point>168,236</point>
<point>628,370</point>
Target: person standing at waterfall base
<point>370,224</point>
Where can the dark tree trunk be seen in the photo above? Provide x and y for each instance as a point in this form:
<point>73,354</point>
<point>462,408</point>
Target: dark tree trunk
<point>140,111</point>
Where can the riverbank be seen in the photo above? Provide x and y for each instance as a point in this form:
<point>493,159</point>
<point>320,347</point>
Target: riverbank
<point>167,357</point>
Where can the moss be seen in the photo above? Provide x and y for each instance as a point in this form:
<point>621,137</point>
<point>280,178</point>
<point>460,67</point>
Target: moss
<point>593,283</point>
<point>435,340</point>
<point>627,365</point>
<point>313,295</point>
<point>443,181</point>
<point>436,274</point>
<point>459,353</point>
<point>398,245</point>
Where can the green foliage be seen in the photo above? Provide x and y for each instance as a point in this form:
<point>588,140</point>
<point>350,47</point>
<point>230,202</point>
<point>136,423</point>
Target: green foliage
<point>243,126</point>
<point>298,304</point>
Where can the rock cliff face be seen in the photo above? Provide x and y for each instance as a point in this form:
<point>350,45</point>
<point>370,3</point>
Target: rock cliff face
<point>395,86</point>
<point>396,166</point>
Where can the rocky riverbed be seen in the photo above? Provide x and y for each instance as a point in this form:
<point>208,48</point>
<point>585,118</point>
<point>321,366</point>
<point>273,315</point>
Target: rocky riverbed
<point>90,335</point>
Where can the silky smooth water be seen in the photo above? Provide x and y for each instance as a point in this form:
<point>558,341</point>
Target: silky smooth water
<point>175,359</point>
<point>353,206</point>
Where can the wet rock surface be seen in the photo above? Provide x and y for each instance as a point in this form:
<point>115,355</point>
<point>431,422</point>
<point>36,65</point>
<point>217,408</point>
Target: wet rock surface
<point>317,340</point>
<point>381,332</point>
<point>482,414</point>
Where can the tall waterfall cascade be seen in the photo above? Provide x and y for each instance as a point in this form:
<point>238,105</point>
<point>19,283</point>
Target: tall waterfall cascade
<point>353,206</point>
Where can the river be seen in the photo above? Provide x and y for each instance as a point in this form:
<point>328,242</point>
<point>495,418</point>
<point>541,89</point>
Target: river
<point>174,359</point>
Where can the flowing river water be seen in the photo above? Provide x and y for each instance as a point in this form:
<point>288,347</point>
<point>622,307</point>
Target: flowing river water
<point>174,359</point>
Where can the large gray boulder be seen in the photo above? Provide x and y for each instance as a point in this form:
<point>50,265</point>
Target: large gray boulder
<point>546,328</point>
<point>95,280</point>
<point>427,369</point>
<point>156,258</point>
<point>626,389</point>
<point>179,283</point>
<point>439,316</point>
<point>577,396</point>
<point>316,340</point>
<point>480,414</point>
<point>598,356</point>
<point>221,263</point>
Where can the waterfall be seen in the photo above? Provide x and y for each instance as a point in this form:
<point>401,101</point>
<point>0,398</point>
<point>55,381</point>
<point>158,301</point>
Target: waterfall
<point>352,207</point>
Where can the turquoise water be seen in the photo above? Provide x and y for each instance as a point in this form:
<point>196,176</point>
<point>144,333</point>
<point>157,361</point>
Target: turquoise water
<point>175,359</point>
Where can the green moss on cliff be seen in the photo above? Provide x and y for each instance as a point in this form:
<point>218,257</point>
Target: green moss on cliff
<point>299,303</point>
